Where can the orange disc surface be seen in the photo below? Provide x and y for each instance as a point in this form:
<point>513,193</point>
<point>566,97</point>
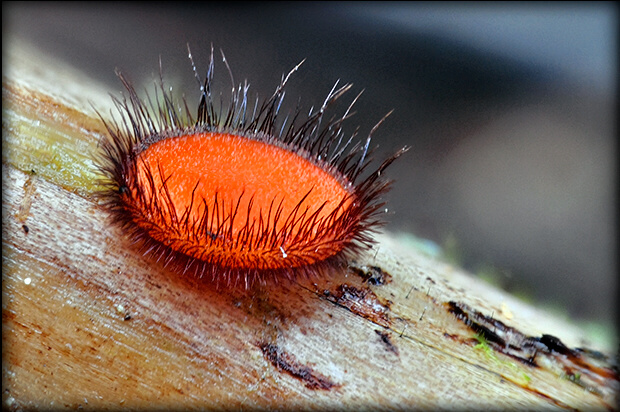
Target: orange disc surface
<point>251,182</point>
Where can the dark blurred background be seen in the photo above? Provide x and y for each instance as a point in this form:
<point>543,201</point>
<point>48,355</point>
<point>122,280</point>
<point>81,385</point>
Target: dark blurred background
<point>509,110</point>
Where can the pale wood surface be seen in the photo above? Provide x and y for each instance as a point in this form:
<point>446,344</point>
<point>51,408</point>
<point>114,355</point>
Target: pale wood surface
<point>88,322</point>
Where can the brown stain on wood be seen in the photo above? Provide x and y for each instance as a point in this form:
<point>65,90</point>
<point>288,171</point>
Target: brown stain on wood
<point>387,341</point>
<point>286,362</point>
<point>370,274</point>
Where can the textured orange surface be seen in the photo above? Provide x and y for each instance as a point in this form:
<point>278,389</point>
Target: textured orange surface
<point>248,178</point>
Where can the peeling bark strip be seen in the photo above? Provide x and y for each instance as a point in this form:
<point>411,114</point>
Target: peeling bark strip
<point>583,367</point>
<point>363,302</point>
<point>287,363</point>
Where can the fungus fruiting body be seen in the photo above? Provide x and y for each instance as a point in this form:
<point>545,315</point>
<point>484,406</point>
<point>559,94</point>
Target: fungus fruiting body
<point>237,193</point>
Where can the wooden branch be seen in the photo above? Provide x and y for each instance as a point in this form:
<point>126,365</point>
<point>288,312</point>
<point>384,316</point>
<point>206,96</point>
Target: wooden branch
<point>88,322</point>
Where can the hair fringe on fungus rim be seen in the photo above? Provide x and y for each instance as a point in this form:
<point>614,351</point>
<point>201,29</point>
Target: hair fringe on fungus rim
<point>240,194</point>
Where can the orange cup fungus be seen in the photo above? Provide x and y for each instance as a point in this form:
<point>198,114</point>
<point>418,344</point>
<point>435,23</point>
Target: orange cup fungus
<point>236,194</point>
